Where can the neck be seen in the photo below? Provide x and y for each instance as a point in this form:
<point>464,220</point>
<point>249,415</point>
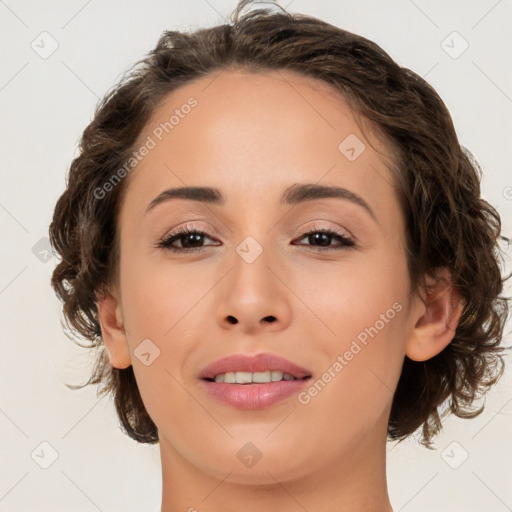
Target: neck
<point>353,482</point>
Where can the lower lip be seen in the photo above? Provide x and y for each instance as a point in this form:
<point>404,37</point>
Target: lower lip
<point>254,396</point>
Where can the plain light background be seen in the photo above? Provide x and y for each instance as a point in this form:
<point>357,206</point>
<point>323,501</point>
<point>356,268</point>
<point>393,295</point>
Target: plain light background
<point>45,105</point>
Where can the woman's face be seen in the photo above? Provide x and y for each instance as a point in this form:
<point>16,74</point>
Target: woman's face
<point>257,283</point>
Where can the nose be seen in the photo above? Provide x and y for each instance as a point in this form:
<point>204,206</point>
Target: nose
<point>254,297</point>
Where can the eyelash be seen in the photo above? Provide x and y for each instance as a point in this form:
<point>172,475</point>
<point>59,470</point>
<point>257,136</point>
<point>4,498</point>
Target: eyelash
<point>165,243</point>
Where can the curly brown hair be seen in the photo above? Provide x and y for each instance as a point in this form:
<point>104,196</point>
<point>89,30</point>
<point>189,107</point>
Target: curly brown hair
<point>448,224</point>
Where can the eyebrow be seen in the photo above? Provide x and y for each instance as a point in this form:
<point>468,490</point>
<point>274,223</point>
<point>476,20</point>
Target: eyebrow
<point>295,194</point>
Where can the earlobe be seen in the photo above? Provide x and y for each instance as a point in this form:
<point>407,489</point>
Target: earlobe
<point>435,326</point>
<point>112,329</point>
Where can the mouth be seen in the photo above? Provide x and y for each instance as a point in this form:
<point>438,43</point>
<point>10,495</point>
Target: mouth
<point>258,369</point>
<point>253,381</point>
<point>253,395</point>
<point>251,378</point>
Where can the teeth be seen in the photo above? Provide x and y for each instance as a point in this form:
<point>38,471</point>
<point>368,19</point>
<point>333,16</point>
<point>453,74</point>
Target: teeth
<point>256,377</point>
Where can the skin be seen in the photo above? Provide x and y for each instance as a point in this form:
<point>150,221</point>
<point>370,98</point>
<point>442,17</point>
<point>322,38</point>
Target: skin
<point>252,136</point>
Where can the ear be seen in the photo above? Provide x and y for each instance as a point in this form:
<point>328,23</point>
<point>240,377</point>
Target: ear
<point>112,329</point>
<point>438,315</point>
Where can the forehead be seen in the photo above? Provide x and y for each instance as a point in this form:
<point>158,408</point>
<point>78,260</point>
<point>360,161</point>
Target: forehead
<point>254,134</point>
<point>273,107</point>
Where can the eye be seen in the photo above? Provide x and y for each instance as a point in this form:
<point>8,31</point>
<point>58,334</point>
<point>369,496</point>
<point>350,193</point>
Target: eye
<point>188,238</point>
<point>325,236</point>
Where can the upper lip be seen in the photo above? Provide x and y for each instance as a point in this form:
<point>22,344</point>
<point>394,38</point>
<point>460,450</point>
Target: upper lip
<point>256,363</point>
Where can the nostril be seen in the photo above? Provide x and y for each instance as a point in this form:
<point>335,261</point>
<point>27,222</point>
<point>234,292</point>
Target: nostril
<point>232,319</point>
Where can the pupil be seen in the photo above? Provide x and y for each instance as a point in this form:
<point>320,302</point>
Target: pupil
<point>321,238</point>
<point>190,239</point>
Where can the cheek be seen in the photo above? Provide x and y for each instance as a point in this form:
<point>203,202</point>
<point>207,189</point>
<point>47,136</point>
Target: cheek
<point>350,295</point>
<point>163,306</point>
<point>364,313</point>
<point>356,384</point>
<point>157,297</point>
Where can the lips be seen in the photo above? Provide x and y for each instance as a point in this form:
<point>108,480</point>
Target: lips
<point>258,363</point>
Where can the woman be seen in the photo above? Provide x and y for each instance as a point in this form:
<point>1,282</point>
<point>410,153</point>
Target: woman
<point>278,244</point>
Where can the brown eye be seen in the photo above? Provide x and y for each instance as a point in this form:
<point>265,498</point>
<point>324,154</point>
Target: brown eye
<point>323,237</point>
<point>190,240</point>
